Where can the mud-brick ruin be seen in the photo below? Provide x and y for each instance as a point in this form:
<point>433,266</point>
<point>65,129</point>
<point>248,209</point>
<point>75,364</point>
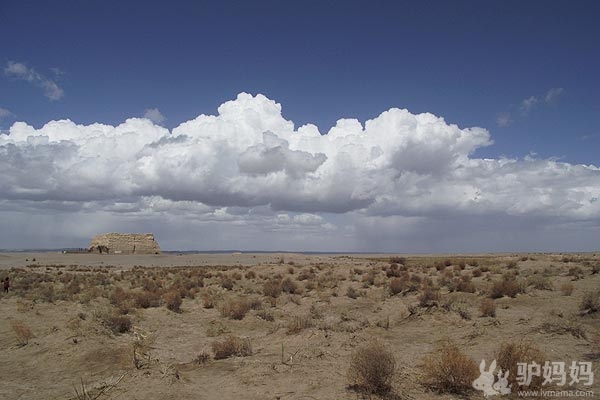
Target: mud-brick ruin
<point>124,243</point>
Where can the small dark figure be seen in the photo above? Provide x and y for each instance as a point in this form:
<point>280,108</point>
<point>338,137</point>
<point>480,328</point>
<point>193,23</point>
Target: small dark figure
<point>6,284</point>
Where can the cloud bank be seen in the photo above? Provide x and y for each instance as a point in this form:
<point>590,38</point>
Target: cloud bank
<point>248,168</point>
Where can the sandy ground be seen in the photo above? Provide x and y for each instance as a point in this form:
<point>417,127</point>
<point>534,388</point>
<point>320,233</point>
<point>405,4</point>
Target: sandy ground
<point>70,347</point>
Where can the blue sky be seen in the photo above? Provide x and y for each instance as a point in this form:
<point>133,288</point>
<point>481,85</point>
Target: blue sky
<point>524,71</point>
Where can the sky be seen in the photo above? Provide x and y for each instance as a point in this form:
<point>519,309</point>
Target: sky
<point>464,126</point>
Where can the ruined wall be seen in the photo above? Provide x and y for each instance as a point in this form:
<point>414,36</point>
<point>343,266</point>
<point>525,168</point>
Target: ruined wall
<point>124,243</point>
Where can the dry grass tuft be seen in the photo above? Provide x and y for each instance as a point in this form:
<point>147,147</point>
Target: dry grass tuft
<point>298,323</point>
<point>566,289</point>
<point>509,354</point>
<point>508,286</point>
<point>590,303</point>
<point>173,301</point>
<point>231,346</point>
<point>272,288</point>
<point>289,286</point>
<point>117,323</point>
<point>430,297</point>
<point>22,332</point>
<point>372,368</point>
<point>448,370</point>
<point>235,308</point>
<point>487,308</point>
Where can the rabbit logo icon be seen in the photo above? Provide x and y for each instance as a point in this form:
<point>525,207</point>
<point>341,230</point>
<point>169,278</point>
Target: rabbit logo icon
<point>486,383</point>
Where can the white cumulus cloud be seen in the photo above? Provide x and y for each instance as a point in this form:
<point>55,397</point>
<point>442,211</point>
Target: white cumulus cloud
<point>154,115</point>
<point>250,169</point>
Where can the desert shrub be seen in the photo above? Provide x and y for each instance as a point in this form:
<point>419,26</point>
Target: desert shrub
<point>231,346</point>
<point>45,293</point>
<point>448,370</point>
<point>255,303</point>
<point>510,353</point>
<point>487,308</point>
<point>117,323</point>
<point>392,270</point>
<point>289,286</point>
<point>202,358</point>
<point>566,288</point>
<point>439,266</point>
<point>447,263</point>
<point>398,260</point>
<point>235,308</point>
<point>508,286</point>
<point>209,299</point>
<point>22,332</point>
<point>298,323</point>
<point>372,368</point>
<point>352,292</point>
<point>306,274</point>
<point>147,299</point>
<point>477,272</point>
<point>590,303</point>
<point>429,297</point>
<point>368,279</point>
<point>173,301</point>
<point>265,315</point>
<point>398,285</point>
<point>236,276</point>
<point>540,282</point>
<point>511,265</point>
<point>250,275</point>
<point>464,284</point>
<point>119,297</point>
<point>272,288</point>
<point>227,283</point>
<point>576,272</point>
<point>595,268</point>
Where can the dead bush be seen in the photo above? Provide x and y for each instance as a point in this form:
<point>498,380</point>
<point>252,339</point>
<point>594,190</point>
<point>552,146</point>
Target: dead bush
<point>372,368</point>
<point>289,286</point>
<point>272,288</point>
<point>448,370</point>
<point>22,332</point>
<point>298,323</point>
<point>540,282</point>
<point>147,299</point>
<point>231,346</point>
<point>464,284</point>
<point>397,285</point>
<point>352,292</point>
<point>566,289</point>
<point>429,297</point>
<point>227,283</point>
<point>117,323</point>
<point>265,315</point>
<point>397,260</point>
<point>487,308</point>
<point>510,353</point>
<point>590,303</point>
<point>235,308</point>
<point>508,286</point>
<point>173,301</point>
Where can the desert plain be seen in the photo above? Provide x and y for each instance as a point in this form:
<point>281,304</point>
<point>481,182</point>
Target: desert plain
<point>290,326</point>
